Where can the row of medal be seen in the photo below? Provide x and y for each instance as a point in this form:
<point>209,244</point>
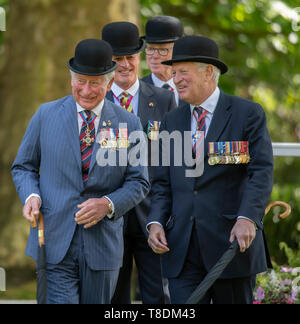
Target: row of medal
<point>113,138</point>
<point>235,152</point>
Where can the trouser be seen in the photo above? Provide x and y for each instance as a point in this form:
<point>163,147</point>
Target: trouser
<point>224,291</point>
<point>148,266</point>
<point>73,282</point>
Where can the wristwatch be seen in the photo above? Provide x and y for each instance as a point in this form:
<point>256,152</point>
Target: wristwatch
<point>110,209</point>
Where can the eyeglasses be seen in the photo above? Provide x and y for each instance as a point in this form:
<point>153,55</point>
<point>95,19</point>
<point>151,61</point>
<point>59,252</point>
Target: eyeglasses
<point>161,51</point>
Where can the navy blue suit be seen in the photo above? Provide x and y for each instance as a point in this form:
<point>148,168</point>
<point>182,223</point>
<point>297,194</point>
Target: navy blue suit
<point>209,205</point>
<point>154,103</point>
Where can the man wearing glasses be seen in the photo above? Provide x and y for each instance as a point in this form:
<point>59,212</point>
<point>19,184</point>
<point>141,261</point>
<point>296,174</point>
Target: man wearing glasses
<point>161,33</point>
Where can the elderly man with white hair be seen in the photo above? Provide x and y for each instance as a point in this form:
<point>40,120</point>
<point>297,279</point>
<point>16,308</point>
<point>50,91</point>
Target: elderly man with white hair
<point>193,219</point>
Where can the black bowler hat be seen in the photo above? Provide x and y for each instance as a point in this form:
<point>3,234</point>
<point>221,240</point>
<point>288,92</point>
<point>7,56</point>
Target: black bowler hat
<point>124,38</point>
<point>92,57</point>
<point>163,29</point>
<point>197,49</point>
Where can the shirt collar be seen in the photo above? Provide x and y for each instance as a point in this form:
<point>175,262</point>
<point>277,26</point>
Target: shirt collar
<point>159,83</point>
<point>210,103</point>
<point>132,90</point>
<point>97,110</point>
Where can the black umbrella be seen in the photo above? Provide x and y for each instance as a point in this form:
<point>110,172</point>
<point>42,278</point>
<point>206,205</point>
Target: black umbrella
<point>214,273</point>
<point>226,258</point>
<point>41,293</point>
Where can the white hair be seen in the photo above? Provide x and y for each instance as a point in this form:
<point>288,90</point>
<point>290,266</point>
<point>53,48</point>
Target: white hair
<point>216,71</point>
<point>108,77</point>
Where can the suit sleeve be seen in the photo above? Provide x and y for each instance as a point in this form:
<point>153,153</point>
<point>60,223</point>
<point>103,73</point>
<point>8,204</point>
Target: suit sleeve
<point>259,182</point>
<point>161,198</point>
<point>136,184</point>
<point>25,169</point>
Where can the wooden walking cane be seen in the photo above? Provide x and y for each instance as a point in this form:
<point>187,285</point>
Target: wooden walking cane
<point>283,215</point>
<point>41,228</point>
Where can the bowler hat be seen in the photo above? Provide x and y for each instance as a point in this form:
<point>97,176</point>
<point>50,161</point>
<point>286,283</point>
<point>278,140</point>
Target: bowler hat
<point>163,29</point>
<point>123,38</point>
<point>197,49</point>
<point>92,57</point>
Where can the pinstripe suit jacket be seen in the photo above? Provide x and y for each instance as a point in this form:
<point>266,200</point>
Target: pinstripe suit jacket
<point>49,163</point>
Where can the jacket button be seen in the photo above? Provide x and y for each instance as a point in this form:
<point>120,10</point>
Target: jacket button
<point>195,193</point>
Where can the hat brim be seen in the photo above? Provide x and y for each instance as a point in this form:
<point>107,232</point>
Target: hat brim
<point>201,59</point>
<point>160,41</point>
<point>130,51</point>
<point>86,70</point>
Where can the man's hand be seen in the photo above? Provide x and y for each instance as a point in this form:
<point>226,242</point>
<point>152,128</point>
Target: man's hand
<point>157,239</point>
<point>92,211</point>
<point>31,209</point>
<point>244,231</point>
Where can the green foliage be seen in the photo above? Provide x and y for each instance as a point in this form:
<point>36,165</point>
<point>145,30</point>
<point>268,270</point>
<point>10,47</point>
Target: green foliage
<point>293,256</point>
<point>257,40</point>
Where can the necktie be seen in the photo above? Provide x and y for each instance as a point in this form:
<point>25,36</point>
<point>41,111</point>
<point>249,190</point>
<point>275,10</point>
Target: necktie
<point>125,101</point>
<point>168,87</point>
<point>199,114</point>
<point>87,138</point>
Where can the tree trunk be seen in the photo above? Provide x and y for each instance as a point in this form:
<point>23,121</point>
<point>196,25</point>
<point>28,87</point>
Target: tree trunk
<point>40,37</point>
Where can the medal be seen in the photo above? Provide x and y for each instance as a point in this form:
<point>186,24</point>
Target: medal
<point>88,138</point>
<point>123,142</point>
<point>153,130</point>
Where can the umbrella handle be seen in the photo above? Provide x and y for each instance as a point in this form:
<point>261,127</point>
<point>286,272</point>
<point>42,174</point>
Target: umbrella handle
<point>41,228</point>
<point>283,215</point>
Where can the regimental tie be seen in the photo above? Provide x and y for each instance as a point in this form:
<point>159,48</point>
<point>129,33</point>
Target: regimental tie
<point>168,87</point>
<point>87,138</point>
<point>198,138</point>
<point>125,101</point>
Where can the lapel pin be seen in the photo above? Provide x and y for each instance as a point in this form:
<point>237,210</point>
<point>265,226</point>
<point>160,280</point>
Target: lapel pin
<point>104,124</point>
<point>109,123</point>
<point>151,104</point>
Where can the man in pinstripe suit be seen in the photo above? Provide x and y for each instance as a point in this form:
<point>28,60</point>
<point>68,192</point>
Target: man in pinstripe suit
<point>56,172</point>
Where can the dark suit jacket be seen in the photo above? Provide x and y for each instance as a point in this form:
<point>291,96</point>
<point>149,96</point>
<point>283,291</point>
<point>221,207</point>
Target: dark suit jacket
<point>220,195</point>
<point>148,79</point>
<point>154,103</point>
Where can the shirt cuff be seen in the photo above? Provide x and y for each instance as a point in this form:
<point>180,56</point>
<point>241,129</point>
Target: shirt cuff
<point>111,215</point>
<point>243,217</point>
<point>147,226</point>
<point>34,195</point>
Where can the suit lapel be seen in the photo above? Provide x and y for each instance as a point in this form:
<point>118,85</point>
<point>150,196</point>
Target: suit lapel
<point>220,119</point>
<point>70,120</point>
<point>146,99</point>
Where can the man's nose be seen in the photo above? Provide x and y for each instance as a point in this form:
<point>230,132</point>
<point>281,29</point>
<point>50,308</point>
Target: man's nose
<point>86,89</point>
<point>124,62</point>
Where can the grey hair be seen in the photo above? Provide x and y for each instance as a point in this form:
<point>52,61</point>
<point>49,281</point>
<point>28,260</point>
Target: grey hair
<point>216,73</point>
<point>108,77</point>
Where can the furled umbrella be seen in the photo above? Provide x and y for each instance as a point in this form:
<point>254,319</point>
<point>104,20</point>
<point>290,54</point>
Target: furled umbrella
<point>226,258</point>
<point>41,293</point>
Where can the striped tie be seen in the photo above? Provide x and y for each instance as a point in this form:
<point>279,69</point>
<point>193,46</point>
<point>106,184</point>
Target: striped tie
<point>87,139</point>
<point>125,101</point>
<point>199,114</point>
